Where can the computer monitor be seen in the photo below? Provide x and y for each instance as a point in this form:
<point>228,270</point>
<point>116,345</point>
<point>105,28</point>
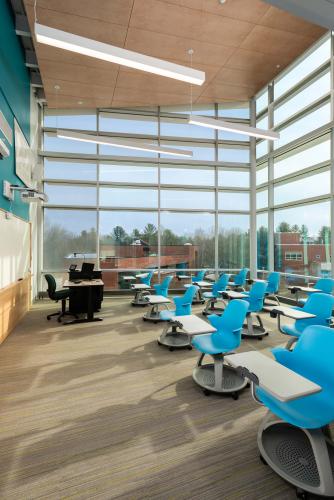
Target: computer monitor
<point>87,268</point>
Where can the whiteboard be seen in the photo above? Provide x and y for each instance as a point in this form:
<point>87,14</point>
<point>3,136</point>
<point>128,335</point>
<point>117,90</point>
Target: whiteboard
<point>24,158</point>
<point>14,249</point>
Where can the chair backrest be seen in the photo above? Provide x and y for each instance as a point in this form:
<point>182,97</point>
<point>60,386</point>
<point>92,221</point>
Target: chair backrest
<point>52,285</point>
<point>229,325</point>
<point>326,285</point>
<point>146,280</point>
<point>162,289</point>
<point>199,276</point>
<point>183,304</point>
<point>240,278</point>
<point>273,282</point>
<point>256,295</point>
<point>220,284</point>
<point>313,356</point>
<point>320,304</point>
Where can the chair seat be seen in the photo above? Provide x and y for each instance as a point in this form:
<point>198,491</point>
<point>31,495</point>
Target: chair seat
<point>210,344</point>
<point>166,315</point>
<point>208,295</point>
<point>311,412</point>
<point>291,330</point>
<point>61,294</point>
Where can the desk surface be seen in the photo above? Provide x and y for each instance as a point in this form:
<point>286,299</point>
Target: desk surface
<point>281,382</point>
<point>289,312</point>
<point>306,289</point>
<point>140,286</point>
<point>157,299</point>
<point>141,275</point>
<point>193,325</point>
<point>201,284</point>
<point>129,278</point>
<point>234,295</point>
<point>70,284</point>
<point>183,277</point>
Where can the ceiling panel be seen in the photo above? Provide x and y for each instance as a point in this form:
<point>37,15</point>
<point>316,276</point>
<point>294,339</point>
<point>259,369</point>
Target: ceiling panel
<point>240,45</point>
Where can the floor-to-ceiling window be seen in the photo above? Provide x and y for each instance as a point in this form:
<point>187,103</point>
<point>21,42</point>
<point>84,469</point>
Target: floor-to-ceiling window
<point>128,211</point>
<point>293,174</point>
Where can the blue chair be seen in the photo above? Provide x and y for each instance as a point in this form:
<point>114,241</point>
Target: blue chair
<point>326,285</point>
<point>162,288</point>
<point>273,284</point>
<point>213,296</point>
<point>239,280</point>
<point>255,297</point>
<point>199,276</point>
<point>319,304</point>
<point>217,377</point>
<point>146,280</point>
<point>170,336</point>
<point>298,429</point>
<point>182,305</point>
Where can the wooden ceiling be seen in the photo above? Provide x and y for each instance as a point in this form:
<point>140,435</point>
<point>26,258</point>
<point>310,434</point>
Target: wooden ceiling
<point>241,45</point>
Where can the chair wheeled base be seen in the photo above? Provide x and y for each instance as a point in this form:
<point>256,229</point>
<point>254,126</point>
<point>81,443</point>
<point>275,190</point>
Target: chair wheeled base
<point>140,299</point>
<point>62,313</point>
<point>251,330</point>
<point>218,377</point>
<point>172,338</point>
<point>211,308</point>
<point>303,457</point>
<point>153,314</point>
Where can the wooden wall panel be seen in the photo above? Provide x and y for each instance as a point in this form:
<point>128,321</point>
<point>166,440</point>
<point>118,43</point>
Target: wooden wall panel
<point>15,300</point>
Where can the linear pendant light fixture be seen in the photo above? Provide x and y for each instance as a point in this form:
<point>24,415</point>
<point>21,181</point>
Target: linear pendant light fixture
<point>117,55</point>
<point>238,128</point>
<point>122,143</point>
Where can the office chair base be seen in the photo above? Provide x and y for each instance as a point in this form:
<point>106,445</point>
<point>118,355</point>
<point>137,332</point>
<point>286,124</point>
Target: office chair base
<point>303,457</point>
<point>230,382</point>
<point>82,320</point>
<point>211,308</point>
<point>251,330</point>
<point>154,314</point>
<point>175,340</point>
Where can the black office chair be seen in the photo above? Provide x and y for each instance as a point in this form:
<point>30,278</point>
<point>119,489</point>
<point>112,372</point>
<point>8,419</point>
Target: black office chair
<point>57,295</point>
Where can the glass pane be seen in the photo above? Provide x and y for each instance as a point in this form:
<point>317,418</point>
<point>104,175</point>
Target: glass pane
<point>262,175</point>
<point>307,187</point>
<point>187,199</point>
<point>116,151</point>
<point>187,240</point>
<point>233,201</point>
<point>62,194</point>
<point>304,98</point>
<point>176,127</point>
<point>262,240</point>
<point>191,176</point>
<point>261,148</point>
<point>69,238</point>
<point>81,120</point>
<point>233,241</point>
<point>128,240</point>
<point>69,170</point>
<point>312,153</point>
<point>262,102</point>
<point>128,197</point>
<point>302,240</point>
<point>303,69</point>
<point>263,122</point>
<point>235,110</point>
<point>130,173</point>
<point>128,123</point>
<point>232,136</point>
<point>200,151</point>
<point>304,125</point>
<point>53,143</point>
<point>197,109</point>
<point>233,178</point>
<point>261,199</point>
<point>229,154</point>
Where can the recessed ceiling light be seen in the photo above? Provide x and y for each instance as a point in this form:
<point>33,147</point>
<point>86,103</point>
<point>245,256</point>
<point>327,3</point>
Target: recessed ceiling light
<point>222,1</point>
<point>57,87</point>
<point>80,102</point>
<point>278,66</point>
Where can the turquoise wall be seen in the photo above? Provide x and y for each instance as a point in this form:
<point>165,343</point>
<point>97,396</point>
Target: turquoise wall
<point>14,101</point>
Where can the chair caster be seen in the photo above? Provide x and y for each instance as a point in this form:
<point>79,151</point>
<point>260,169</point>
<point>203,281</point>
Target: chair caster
<point>301,494</point>
<point>190,347</point>
<point>159,343</point>
<point>144,319</point>
<point>171,349</point>
<point>259,338</point>
<point>263,460</point>
<point>206,392</point>
<point>155,322</point>
<point>248,385</point>
<point>59,320</point>
<point>49,319</point>
<point>235,395</point>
